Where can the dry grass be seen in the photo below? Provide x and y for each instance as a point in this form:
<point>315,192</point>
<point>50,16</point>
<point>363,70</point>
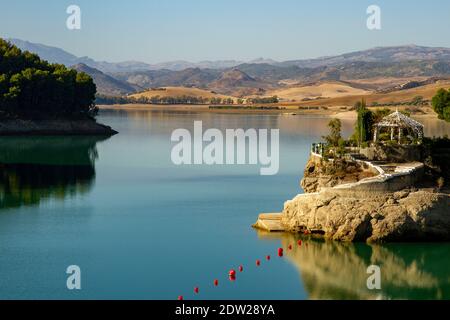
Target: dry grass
<point>319,90</point>
<point>179,92</point>
<point>401,96</point>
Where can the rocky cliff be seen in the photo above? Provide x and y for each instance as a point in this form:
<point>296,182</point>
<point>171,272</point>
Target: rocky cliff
<point>320,174</point>
<point>407,215</point>
<point>356,205</point>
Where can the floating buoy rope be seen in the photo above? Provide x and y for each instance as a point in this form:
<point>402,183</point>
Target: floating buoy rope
<point>232,273</point>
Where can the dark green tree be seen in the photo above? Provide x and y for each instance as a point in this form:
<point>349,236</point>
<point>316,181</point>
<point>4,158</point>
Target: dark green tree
<point>441,104</point>
<point>32,88</point>
<point>364,124</point>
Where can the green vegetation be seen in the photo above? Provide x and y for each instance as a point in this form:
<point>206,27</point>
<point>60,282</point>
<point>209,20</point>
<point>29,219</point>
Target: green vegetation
<point>273,99</point>
<point>417,101</point>
<point>108,100</point>
<point>364,124</point>
<point>245,107</point>
<point>31,88</point>
<point>189,100</point>
<point>335,136</point>
<point>441,104</point>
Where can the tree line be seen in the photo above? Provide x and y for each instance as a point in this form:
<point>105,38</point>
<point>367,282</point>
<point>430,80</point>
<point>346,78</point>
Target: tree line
<point>31,88</point>
<point>185,99</point>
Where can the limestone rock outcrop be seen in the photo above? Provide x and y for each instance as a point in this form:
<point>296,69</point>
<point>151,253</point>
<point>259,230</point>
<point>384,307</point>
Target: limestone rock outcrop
<point>347,206</point>
<point>408,215</point>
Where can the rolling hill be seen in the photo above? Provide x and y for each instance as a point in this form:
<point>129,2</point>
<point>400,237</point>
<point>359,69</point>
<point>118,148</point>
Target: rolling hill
<point>368,70</point>
<point>394,97</point>
<point>179,92</point>
<point>317,90</point>
<point>107,85</point>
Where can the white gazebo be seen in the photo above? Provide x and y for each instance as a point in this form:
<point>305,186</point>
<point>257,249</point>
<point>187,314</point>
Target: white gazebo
<point>397,122</point>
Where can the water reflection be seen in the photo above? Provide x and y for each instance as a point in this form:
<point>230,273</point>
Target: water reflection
<point>37,168</point>
<point>332,270</point>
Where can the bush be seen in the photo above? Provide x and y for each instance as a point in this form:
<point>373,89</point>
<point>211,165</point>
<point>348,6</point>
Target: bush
<point>441,104</point>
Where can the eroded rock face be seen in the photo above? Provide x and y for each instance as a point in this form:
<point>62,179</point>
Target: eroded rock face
<point>408,215</point>
<point>320,174</point>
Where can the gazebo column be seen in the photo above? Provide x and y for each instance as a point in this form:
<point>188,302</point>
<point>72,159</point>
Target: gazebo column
<point>392,133</point>
<point>375,136</point>
<point>399,135</point>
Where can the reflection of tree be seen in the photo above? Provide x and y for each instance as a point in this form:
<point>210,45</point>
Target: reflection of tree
<point>36,168</point>
<point>332,270</point>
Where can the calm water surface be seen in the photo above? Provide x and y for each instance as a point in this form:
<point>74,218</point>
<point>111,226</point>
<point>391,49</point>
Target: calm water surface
<point>141,228</point>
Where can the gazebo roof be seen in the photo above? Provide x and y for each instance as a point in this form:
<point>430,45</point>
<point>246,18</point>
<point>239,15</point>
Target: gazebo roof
<point>399,120</point>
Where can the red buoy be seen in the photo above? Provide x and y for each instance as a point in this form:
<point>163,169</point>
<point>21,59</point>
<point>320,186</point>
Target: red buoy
<point>280,252</point>
<point>268,258</point>
<point>196,290</point>
<point>232,273</point>
<point>299,243</point>
<point>216,282</point>
<point>241,268</point>
<point>180,298</point>
<point>232,278</point>
<point>258,263</point>
<point>290,247</point>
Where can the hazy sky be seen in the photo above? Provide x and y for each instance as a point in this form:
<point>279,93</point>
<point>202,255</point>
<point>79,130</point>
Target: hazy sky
<point>155,31</point>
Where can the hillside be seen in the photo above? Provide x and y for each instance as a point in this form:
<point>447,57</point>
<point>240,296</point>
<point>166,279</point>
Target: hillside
<point>179,92</point>
<point>317,90</point>
<point>239,83</point>
<point>399,96</point>
<point>378,54</point>
<point>166,78</point>
<point>106,85</point>
<point>377,69</point>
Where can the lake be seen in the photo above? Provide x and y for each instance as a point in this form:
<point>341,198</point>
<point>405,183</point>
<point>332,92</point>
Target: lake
<point>140,227</point>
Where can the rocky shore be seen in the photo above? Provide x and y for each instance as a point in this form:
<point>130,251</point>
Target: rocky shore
<point>353,204</point>
<point>54,127</point>
<point>406,215</point>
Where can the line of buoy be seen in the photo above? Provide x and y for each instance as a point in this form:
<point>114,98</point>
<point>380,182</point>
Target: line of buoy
<point>232,272</point>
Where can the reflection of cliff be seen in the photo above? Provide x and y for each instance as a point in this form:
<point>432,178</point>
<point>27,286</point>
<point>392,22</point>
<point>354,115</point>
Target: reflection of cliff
<point>331,270</point>
<point>37,168</point>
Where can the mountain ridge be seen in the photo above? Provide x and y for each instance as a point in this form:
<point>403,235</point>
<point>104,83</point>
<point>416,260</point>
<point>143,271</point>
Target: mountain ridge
<point>259,76</point>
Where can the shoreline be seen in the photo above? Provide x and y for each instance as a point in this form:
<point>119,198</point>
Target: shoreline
<point>60,127</point>
<point>336,112</point>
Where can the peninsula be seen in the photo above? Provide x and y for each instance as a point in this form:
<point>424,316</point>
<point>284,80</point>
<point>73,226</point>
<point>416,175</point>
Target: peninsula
<point>39,98</point>
<point>387,183</point>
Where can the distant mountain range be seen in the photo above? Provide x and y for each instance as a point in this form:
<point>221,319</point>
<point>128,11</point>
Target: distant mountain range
<point>107,85</point>
<point>57,55</point>
<point>239,78</point>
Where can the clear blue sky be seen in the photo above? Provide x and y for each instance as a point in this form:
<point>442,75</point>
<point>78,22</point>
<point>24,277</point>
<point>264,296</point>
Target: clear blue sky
<point>162,30</point>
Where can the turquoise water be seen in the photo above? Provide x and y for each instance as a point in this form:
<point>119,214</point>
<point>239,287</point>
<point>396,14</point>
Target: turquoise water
<point>140,227</point>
